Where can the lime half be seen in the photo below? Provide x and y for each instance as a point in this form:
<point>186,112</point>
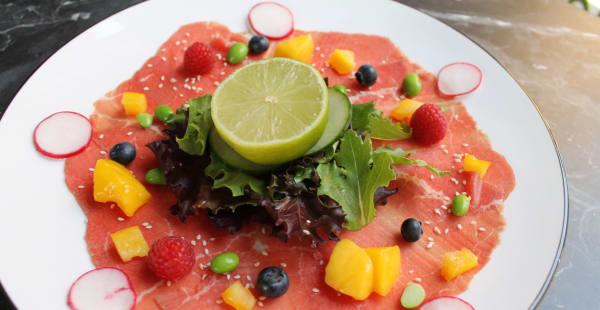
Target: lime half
<point>271,111</point>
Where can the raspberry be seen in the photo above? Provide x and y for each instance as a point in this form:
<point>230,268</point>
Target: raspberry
<point>199,58</point>
<point>171,258</point>
<point>428,124</point>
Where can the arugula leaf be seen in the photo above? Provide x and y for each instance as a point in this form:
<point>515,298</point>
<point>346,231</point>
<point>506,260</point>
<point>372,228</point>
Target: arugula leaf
<point>235,180</point>
<point>367,119</point>
<point>398,156</point>
<point>353,177</point>
<point>198,125</point>
<point>384,129</point>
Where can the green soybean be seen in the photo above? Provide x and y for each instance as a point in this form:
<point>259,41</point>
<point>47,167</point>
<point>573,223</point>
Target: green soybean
<point>413,295</point>
<point>224,262</point>
<point>460,205</point>
<point>144,119</point>
<point>155,176</point>
<point>163,113</point>
<point>411,85</point>
<point>237,53</point>
<point>341,88</point>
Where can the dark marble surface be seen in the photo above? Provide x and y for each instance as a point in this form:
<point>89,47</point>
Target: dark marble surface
<point>551,48</point>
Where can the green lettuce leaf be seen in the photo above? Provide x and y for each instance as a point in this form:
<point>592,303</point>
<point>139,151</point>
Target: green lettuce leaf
<point>234,179</point>
<point>353,177</point>
<point>368,120</point>
<point>198,126</point>
<point>399,156</point>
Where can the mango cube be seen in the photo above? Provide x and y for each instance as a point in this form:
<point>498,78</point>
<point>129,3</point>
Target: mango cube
<point>130,243</point>
<point>350,270</point>
<point>113,182</point>
<point>299,48</point>
<point>342,61</point>
<point>134,103</point>
<point>405,109</point>
<point>388,263</point>
<point>471,163</point>
<point>238,296</point>
<point>458,262</point>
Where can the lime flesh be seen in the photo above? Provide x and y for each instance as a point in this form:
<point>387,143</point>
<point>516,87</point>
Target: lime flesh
<point>271,111</point>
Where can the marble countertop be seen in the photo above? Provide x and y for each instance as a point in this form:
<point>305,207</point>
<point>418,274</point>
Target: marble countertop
<point>550,47</point>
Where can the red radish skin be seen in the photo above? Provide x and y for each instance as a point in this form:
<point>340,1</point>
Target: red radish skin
<point>47,130</point>
<point>118,294</point>
<point>459,78</point>
<point>268,27</point>
<point>447,303</point>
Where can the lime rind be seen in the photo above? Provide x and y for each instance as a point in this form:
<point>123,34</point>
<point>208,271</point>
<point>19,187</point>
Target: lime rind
<point>271,111</point>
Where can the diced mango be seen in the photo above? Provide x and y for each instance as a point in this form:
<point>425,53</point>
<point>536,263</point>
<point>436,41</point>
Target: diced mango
<point>458,262</point>
<point>130,243</point>
<point>238,296</point>
<point>113,182</point>
<point>134,103</point>
<point>405,109</point>
<point>350,270</point>
<point>471,163</point>
<point>299,48</point>
<point>387,262</point>
<point>342,61</point>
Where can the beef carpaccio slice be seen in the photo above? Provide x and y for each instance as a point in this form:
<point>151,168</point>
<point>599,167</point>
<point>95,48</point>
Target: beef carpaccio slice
<point>420,195</point>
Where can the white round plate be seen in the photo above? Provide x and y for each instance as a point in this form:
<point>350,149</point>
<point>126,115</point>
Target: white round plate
<point>42,228</point>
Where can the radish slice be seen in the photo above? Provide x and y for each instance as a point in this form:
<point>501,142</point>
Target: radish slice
<point>271,20</point>
<point>102,288</point>
<point>447,303</point>
<point>458,78</point>
<point>62,134</point>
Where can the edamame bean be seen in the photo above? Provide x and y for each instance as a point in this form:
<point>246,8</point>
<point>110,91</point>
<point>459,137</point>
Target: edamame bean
<point>460,205</point>
<point>224,262</point>
<point>155,176</point>
<point>237,53</point>
<point>341,88</point>
<point>411,84</point>
<point>144,119</point>
<point>413,295</point>
<point>163,113</point>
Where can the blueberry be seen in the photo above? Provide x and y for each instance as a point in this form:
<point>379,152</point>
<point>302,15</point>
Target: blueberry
<point>273,282</point>
<point>258,44</point>
<point>411,230</point>
<point>366,75</point>
<point>123,153</point>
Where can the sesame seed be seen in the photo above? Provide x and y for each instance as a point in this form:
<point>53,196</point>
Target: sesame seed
<point>149,227</point>
<point>445,151</point>
<point>187,34</point>
<point>219,57</point>
<point>145,224</point>
<point>225,64</point>
<point>146,88</point>
<point>175,58</point>
<point>446,231</point>
<point>321,262</point>
<point>173,80</point>
<point>474,222</point>
<point>429,244</point>
<point>120,219</point>
<point>180,95</point>
<point>318,48</point>
<point>481,229</point>
<point>160,85</point>
<point>237,276</point>
<point>264,253</point>
<point>431,176</point>
<point>211,239</point>
<point>130,133</point>
<point>206,251</point>
<point>437,211</point>
<point>460,171</point>
<point>316,290</point>
<point>103,152</point>
<point>164,58</point>
<point>174,88</point>
<point>163,49</point>
<point>80,186</point>
<point>427,222</point>
<point>411,271</point>
<point>193,242</point>
<point>263,230</point>
<point>283,265</point>
<point>465,144</point>
<point>429,238</point>
<point>444,207</point>
<point>260,304</point>
<point>418,279</point>
<point>247,285</point>
<point>101,136</point>
<point>442,146</point>
<point>203,242</point>
<point>112,206</point>
<point>216,83</point>
<point>204,276</point>
<point>168,283</point>
<point>91,169</point>
<point>256,264</point>
<point>437,230</point>
<point>306,232</point>
<point>149,65</point>
<point>459,226</point>
<point>228,277</point>
<point>198,236</point>
<point>219,301</point>
<point>454,180</point>
<point>177,43</point>
<point>447,198</point>
<point>222,73</point>
<point>248,277</point>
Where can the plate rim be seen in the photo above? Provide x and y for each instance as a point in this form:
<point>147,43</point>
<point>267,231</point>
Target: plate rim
<point>560,249</point>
